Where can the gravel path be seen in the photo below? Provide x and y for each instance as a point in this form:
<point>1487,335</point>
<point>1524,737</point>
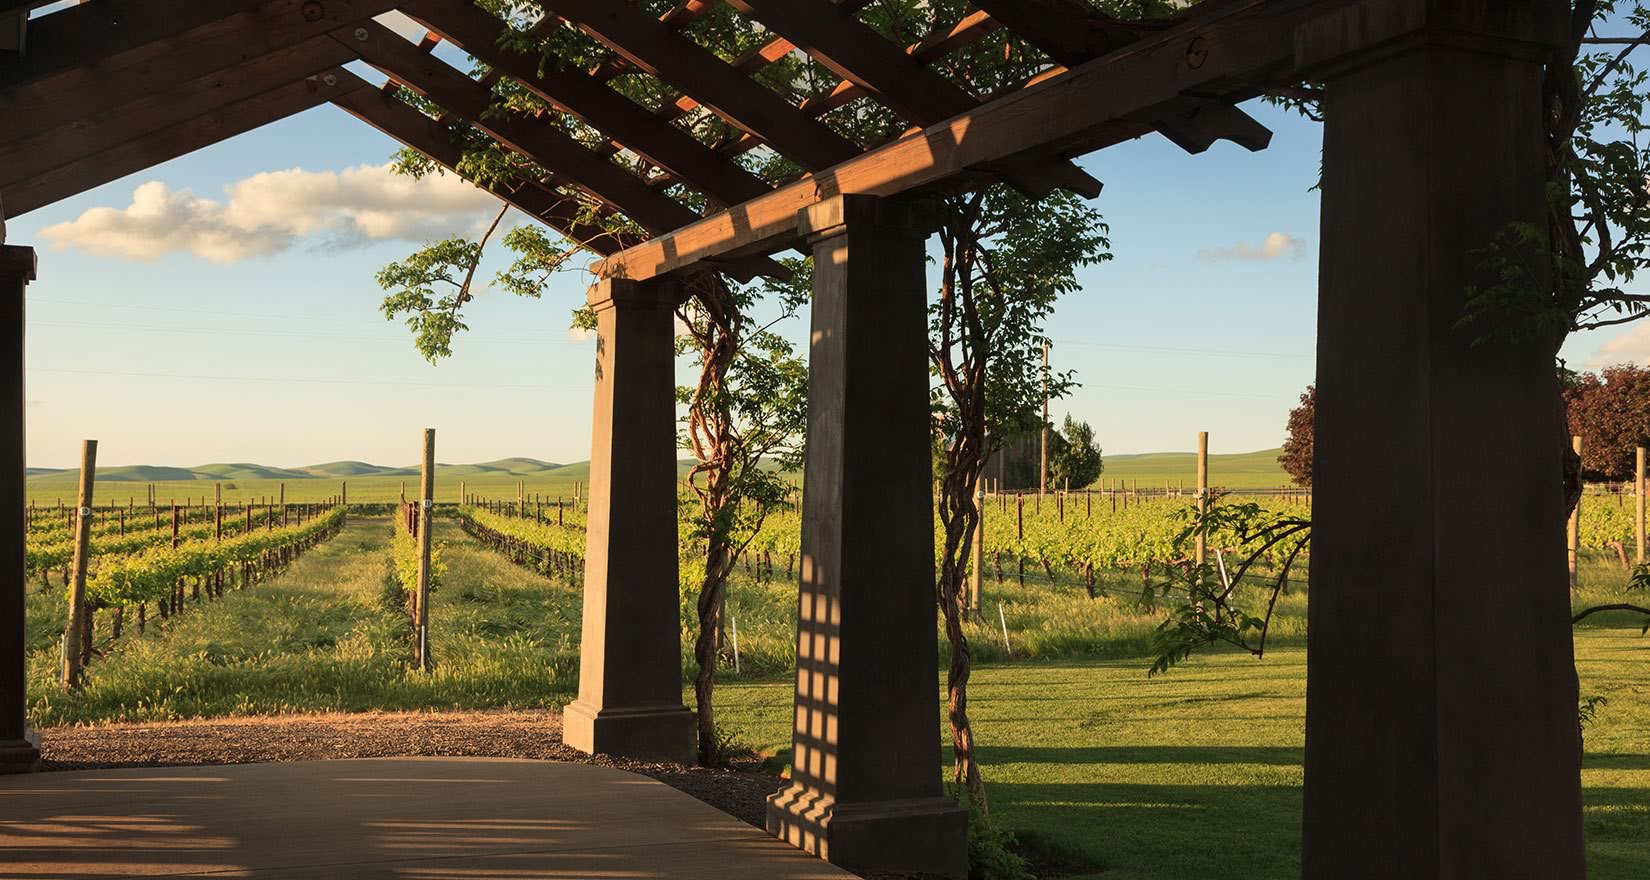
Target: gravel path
<point>740,792</point>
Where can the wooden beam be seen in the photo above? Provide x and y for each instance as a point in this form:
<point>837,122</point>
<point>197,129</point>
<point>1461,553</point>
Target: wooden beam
<point>1101,103</point>
<point>576,92</point>
<point>546,146</point>
<point>177,140</point>
<point>929,49</point>
<point>1068,31</point>
<point>396,118</point>
<point>855,52</point>
<point>654,47</point>
<point>24,157</point>
<point>858,54</point>
<point>81,65</point>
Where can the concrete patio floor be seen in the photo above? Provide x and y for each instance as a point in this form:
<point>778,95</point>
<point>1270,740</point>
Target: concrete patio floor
<point>379,818</point>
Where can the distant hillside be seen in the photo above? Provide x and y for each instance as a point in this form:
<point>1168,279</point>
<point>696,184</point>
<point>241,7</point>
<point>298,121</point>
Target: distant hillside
<point>353,469</point>
<point>521,465</point>
<point>1242,470</point>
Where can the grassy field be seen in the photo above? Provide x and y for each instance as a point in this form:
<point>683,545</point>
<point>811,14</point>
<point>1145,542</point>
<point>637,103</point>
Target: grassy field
<point>1093,764</point>
<point>1243,470</point>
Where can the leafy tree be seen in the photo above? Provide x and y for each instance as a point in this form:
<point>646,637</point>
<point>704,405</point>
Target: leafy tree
<point>1073,459</point>
<point>1297,449</point>
<point>1611,413</point>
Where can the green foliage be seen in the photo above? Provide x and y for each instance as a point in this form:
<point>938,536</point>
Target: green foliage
<point>1074,460</point>
<point>1542,282</point>
<point>404,556</point>
<point>1213,611</point>
<point>151,574</point>
<point>991,853</point>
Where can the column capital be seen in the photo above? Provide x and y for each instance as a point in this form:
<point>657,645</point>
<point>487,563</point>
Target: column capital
<point>1364,31</point>
<point>15,259</point>
<point>851,211</point>
<point>663,293</point>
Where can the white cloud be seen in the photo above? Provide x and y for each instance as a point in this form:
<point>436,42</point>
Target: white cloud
<point>272,212</point>
<point>1275,245</point>
<point>1628,348</point>
<point>580,334</point>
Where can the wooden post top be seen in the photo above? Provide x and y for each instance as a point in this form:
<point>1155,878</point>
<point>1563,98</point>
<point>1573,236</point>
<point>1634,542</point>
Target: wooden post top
<point>840,213</point>
<point>18,260</point>
<point>654,292</point>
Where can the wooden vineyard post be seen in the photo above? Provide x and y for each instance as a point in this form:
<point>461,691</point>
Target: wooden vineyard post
<point>426,494</point>
<point>463,493</point>
<point>75,633</point>
<point>343,493</point>
<point>1573,537</point>
<point>1202,493</point>
<point>1638,492</point>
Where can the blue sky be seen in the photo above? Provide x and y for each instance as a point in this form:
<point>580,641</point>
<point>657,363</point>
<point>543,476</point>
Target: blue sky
<point>270,348</point>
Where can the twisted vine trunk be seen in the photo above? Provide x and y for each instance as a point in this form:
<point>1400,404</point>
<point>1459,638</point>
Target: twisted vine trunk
<point>964,380</point>
<point>711,431</point>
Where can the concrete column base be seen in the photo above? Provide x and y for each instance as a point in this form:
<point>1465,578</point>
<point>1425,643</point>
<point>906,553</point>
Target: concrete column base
<point>665,734</point>
<point>917,836</point>
<point>20,755</point>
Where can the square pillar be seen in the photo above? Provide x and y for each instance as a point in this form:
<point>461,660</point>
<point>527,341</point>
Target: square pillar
<point>630,660</point>
<point>865,790</point>
<point>19,747</point>
<point>1441,738</point>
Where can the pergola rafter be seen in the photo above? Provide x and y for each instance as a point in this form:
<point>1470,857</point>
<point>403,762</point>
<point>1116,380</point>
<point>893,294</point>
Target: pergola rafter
<point>589,99</point>
<point>660,50</point>
<point>116,160</point>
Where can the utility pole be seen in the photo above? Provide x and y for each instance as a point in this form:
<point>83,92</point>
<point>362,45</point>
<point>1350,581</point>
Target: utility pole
<point>1042,483</point>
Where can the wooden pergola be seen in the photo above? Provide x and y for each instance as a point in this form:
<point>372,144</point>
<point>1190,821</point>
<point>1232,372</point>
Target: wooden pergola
<point>1441,736</point>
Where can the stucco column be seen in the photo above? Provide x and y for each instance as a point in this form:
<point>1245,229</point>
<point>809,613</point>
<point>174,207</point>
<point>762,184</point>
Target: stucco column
<point>1441,739</point>
<point>19,747</point>
<point>865,789</point>
<point>630,661</point>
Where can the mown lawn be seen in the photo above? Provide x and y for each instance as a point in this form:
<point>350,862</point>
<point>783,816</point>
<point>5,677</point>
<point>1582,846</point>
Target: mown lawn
<point>1197,774</point>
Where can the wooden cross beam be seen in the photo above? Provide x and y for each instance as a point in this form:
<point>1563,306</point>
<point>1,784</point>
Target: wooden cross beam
<point>858,54</point>
<point>1067,31</point>
<point>544,145</point>
<point>1227,54</point>
<point>106,57</point>
<point>654,47</point>
<point>24,157</point>
<point>169,143</point>
<point>586,97</point>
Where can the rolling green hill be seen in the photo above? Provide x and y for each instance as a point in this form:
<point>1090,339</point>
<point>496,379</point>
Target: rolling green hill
<point>1243,470</point>
<point>370,483</point>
